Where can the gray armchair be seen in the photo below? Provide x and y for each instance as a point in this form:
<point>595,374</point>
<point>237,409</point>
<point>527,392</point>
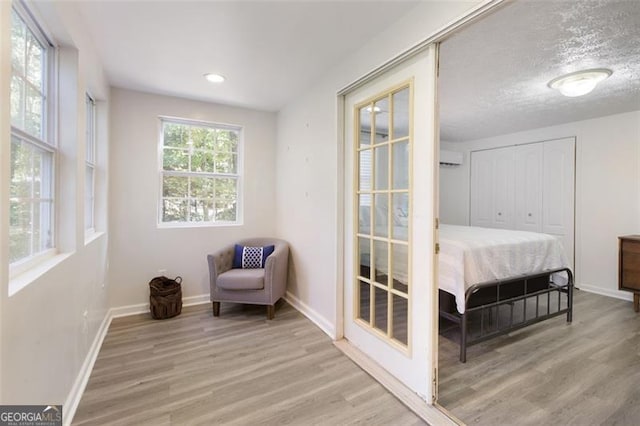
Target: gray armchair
<point>253,286</point>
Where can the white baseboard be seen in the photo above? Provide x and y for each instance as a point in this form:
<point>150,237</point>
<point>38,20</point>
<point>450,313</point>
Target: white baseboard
<point>73,399</point>
<point>141,308</point>
<point>617,294</point>
<point>308,312</point>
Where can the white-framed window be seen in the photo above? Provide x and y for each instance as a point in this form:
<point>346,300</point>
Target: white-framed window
<point>90,165</point>
<point>200,173</point>
<point>33,148</point>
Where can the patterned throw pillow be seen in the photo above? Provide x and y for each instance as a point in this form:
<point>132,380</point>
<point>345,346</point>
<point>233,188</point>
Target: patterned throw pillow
<point>246,257</point>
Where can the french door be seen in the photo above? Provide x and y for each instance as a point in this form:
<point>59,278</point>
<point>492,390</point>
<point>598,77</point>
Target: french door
<point>390,310</point>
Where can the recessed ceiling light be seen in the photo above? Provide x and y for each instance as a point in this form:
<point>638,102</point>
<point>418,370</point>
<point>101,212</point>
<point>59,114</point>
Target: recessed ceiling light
<point>214,78</point>
<point>375,109</point>
<point>580,82</point>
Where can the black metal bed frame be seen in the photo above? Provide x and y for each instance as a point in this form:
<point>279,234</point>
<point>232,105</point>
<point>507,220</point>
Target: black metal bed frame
<point>489,296</point>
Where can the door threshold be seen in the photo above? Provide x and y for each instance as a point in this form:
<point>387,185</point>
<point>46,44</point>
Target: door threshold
<point>432,414</point>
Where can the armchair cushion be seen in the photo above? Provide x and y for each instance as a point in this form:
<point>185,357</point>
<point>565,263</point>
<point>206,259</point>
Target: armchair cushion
<point>241,279</point>
<point>246,257</point>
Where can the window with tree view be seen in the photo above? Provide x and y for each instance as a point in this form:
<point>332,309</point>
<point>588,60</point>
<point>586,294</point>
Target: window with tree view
<point>32,148</point>
<point>200,177</point>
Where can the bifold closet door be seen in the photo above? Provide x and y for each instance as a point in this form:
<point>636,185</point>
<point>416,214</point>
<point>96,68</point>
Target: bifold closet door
<point>528,193</point>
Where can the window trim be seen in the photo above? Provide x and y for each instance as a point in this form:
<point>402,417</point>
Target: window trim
<point>47,140</point>
<point>239,173</point>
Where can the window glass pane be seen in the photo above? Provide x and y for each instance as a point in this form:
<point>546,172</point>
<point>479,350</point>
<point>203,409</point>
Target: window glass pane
<point>175,186</point>
<point>201,161</point>
<point>381,208</point>
<point>174,210</point>
<point>226,210</point>
<point>226,140</point>
<point>382,167</point>
<point>201,187</point>
<point>226,162</point>
<point>175,135</point>
<point>21,169</point>
<point>225,188</point>
<point>401,114</point>
<point>202,210</point>
<point>381,114</point>
<point>88,198</point>
<point>176,159</point>
<point>34,53</point>
<point>33,112</point>
<point>17,43</point>
<point>17,102</point>
<point>20,231</point>
<point>401,165</point>
<point>202,137</point>
<point>381,262</point>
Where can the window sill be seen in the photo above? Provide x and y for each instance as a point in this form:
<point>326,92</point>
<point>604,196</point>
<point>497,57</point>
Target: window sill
<point>19,282</point>
<point>90,237</point>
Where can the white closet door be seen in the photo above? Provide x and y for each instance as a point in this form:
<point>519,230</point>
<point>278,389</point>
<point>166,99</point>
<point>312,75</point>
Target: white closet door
<point>503,188</point>
<point>482,188</point>
<point>558,199</point>
<point>528,193</point>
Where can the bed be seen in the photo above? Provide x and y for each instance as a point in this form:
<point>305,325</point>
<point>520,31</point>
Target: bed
<point>493,281</point>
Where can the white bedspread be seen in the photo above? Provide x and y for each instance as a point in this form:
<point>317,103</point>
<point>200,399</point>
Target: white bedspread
<point>471,255</point>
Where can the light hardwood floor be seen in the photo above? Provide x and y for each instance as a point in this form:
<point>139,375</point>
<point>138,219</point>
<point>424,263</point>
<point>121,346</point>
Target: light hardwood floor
<point>552,373</point>
<point>237,369</point>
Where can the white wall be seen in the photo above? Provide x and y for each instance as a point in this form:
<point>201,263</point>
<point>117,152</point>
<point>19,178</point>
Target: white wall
<point>139,249</point>
<point>454,208</point>
<point>49,325</point>
<point>607,190</point>
<point>308,162</point>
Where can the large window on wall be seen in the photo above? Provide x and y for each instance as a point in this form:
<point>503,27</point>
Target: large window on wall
<point>33,150</point>
<point>90,165</point>
<point>200,176</point>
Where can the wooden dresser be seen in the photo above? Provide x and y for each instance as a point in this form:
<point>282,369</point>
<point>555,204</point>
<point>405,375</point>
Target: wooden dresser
<point>629,267</point>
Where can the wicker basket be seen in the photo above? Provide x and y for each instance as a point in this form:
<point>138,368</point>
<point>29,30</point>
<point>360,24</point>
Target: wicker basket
<point>165,299</point>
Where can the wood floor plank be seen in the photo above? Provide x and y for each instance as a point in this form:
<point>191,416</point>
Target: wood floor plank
<point>236,369</point>
<point>552,373</point>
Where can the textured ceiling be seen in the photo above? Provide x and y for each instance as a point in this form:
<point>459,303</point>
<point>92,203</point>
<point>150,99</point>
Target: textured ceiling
<point>270,51</point>
<point>494,73</point>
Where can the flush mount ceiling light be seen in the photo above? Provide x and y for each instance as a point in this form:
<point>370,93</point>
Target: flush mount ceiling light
<point>214,78</point>
<point>580,82</point>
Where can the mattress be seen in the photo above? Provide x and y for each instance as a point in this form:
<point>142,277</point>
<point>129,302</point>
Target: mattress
<point>472,255</point>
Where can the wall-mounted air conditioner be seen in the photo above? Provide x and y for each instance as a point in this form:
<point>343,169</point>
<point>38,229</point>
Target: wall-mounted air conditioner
<point>450,158</point>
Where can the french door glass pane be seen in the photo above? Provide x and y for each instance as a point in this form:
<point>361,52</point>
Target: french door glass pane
<point>381,114</point>
<point>381,262</point>
<point>364,213</point>
<point>400,165</point>
<point>364,135</point>
<point>381,314</point>
<point>401,114</point>
<point>400,318</point>
<point>381,208</point>
<point>364,301</point>
<point>400,262</point>
<point>365,170</point>
<point>364,257</point>
<point>382,167</point>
